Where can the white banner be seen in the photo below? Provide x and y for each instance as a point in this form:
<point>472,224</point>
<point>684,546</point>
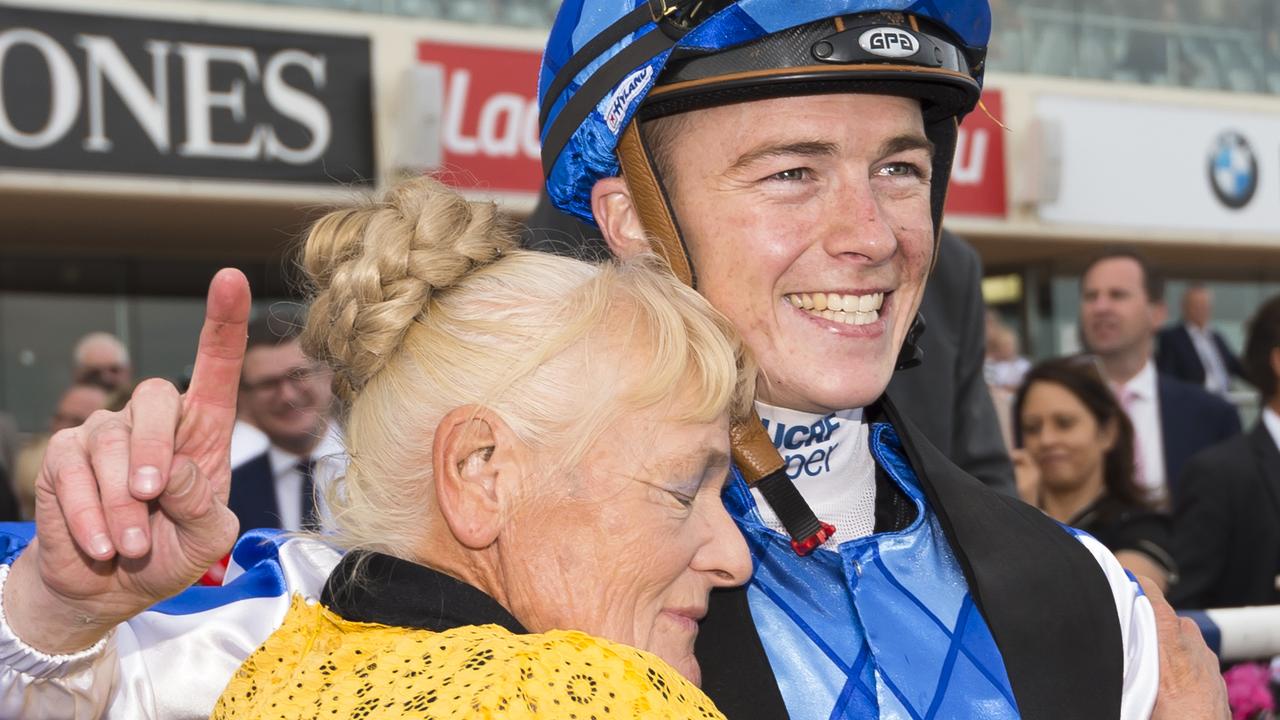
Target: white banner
<point>1159,166</point>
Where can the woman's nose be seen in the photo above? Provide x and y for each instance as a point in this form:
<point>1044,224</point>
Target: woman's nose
<point>725,554</point>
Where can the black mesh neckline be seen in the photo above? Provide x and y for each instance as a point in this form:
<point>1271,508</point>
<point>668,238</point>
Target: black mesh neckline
<point>894,509</point>
<point>375,588</point>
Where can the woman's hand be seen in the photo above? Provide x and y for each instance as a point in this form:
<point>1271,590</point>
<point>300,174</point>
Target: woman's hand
<point>131,506</point>
<point>1026,476</point>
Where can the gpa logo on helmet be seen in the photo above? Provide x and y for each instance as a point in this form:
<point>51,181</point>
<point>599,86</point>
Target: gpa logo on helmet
<point>628,90</point>
<point>890,42</point>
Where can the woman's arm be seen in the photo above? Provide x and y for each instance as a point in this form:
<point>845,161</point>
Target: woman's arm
<point>1142,565</point>
<point>172,661</point>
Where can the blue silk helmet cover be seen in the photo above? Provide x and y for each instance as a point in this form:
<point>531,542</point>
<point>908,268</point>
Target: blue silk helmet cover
<point>589,154</point>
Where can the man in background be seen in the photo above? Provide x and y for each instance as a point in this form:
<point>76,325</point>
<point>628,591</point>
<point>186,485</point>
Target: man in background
<point>1227,520</point>
<point>1121,306</point>
<point>1193,351</point>
<point>101,358</point>
<point>75,406</point>
<point>288,397</point>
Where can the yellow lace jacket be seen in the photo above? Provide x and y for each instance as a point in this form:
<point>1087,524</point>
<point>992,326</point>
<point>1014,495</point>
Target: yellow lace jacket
<point>318,665</point>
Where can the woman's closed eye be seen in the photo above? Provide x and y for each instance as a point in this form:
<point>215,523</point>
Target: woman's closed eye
<point>684,499</point>
<point>685,485</point>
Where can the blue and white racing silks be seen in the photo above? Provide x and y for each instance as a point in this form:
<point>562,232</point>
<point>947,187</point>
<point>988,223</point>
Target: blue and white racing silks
<point>882,626</point>
<point>174,660</point>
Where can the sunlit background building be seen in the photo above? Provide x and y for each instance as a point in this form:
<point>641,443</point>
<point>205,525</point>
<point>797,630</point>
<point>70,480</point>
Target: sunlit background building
<point>145,143</point>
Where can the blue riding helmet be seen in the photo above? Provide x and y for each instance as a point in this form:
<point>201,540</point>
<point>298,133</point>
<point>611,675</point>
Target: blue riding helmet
<point>610,62</point>
<point>611,65</point>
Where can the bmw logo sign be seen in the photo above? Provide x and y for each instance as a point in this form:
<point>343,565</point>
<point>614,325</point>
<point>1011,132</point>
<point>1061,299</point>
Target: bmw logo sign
<point>1233,170</point>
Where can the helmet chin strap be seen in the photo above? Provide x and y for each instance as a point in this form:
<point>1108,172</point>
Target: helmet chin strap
<point>911,354</point>
<point>652,205</point>
<point>753,452</point>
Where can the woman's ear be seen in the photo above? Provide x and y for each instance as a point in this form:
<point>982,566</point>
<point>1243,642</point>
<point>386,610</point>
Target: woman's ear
<point>616,216</point>
<point>478,465</point>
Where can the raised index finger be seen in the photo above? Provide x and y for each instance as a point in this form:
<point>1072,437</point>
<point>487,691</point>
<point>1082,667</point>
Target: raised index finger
<point>215,380</point>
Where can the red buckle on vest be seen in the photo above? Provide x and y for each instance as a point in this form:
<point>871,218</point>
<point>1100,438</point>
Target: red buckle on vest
<point>811,543</point>
<point>213,576</point>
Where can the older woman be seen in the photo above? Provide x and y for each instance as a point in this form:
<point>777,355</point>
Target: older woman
<point>1080,444</point>
<point>531,514</point>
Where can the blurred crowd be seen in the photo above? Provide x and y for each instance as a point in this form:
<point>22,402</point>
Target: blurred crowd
<point>1134,440</point>
<point>102,378</point>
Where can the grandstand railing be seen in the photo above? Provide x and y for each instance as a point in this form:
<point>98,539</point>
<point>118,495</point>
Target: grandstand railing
<point>1091,45</point>
<point>1082,42</point>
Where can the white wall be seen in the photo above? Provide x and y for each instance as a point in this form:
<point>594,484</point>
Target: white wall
<point>1032,173</point>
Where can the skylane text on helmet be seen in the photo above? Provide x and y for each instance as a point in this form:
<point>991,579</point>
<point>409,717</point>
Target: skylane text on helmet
<point>626,94</point>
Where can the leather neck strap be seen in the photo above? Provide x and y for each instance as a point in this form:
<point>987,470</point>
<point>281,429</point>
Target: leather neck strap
<point>753,451</point>
<point>650,200</point>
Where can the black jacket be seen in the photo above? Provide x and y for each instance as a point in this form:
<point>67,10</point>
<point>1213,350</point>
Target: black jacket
<point>1191,419</point>
<point>1227,525</point>
<point>947,394</point>
<point>1043,595</point>
<point>253,494</point>
<point>9,511</point>
<point>1176,355</point>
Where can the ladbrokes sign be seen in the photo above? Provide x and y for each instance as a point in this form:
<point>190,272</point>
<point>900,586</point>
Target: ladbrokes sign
<point>91,93</point>
<point>489,133</point>
<point>488,128</point>
<point>977,175</point>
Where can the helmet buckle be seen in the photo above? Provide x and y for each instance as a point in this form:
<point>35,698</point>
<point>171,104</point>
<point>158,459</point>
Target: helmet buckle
<point>660,9</point>
<point>681,16</point>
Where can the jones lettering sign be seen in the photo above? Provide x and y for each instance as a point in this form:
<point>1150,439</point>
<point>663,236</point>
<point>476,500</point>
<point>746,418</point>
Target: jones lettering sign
<point>97,93</point>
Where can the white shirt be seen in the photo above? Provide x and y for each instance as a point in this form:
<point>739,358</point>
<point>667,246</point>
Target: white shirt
<point>829,460</point>
<point>330,462</point>
<point>247,442</point>
<point>1272,422</point>
<point>1143,407</point>
<point>1005,373</point>
<point>1216,379</point>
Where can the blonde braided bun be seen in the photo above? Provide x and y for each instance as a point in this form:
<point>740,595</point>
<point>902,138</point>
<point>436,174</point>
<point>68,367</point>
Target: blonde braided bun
<point>373,269</point>
<point>423,305</point>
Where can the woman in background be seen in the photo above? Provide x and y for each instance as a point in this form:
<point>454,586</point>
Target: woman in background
<point>1080,445</point>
